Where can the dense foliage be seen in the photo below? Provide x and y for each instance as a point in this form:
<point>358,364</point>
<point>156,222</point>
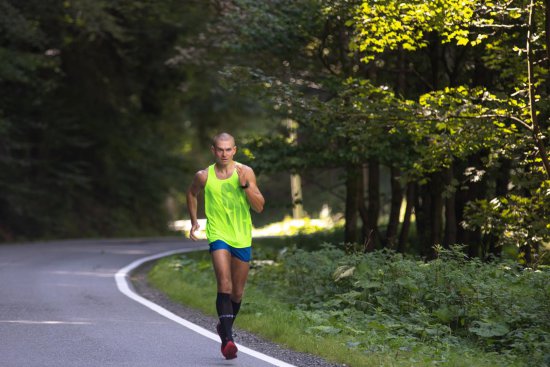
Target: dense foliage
<point>446,301</point>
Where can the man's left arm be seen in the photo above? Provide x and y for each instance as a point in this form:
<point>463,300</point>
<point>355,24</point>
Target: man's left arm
<point>247,180</point>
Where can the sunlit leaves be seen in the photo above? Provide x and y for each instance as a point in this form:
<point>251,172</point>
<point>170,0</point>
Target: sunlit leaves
<point>382,25</point>
<point>386,25</point>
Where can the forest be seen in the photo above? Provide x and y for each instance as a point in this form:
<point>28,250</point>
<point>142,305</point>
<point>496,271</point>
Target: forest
<point>440,107</point>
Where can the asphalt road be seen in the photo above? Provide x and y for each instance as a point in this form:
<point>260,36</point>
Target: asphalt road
<point>60,306</point>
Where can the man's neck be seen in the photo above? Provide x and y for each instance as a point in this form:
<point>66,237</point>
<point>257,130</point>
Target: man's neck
<point>225,168</point>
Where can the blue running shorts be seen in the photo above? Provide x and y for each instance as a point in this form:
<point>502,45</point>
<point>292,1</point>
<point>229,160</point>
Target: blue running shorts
<point>243,254</point>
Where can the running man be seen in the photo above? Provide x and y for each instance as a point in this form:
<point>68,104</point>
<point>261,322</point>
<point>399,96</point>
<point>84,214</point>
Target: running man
<point>230,191</point>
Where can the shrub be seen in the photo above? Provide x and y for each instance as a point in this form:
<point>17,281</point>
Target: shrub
<point>499,306</point>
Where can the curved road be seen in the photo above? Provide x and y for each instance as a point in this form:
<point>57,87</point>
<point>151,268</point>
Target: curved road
<point>60,306</point>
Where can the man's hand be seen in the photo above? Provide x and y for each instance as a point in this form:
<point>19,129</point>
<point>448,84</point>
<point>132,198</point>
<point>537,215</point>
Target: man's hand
<point>194,227</point>
<point>247,180</point>
<point>242,172</point>
<point>199,181</point>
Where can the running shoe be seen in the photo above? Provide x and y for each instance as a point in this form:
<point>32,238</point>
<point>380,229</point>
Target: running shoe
<point>229,351</point>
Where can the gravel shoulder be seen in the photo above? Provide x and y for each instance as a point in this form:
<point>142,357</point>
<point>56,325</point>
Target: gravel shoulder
<point>141,286</point>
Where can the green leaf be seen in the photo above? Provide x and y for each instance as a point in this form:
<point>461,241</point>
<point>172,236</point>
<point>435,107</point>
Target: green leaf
<point>489,329</point>
<point>444,314</point>
<point>342,272</point>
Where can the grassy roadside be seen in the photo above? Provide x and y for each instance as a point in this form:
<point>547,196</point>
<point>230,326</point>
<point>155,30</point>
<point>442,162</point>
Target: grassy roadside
<point>259,314</point>
<point>189,280</point>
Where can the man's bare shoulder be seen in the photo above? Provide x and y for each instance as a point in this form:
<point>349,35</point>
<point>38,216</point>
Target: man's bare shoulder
<point>201,176</point>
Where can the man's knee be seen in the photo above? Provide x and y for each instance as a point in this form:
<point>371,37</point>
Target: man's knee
<point>236,295</point>
<point>225,286</point>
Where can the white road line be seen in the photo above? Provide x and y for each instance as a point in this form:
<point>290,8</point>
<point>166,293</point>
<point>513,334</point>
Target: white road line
<point>121,278</point>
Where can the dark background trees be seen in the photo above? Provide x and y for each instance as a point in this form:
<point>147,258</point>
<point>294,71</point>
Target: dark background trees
<point>91,115</point>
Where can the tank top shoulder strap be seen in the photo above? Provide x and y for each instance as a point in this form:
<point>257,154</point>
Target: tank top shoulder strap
<point>211,171</point>
<point>211,176</point>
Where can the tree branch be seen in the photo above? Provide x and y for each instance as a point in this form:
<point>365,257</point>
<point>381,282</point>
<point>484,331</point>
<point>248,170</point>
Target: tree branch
<point>505,26</point>
<point>525,124</point>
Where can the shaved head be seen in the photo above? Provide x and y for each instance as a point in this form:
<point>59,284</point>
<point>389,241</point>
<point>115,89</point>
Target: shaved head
<point>224,137</point>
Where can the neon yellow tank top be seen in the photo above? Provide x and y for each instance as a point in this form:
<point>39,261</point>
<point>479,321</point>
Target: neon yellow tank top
<point>227,211</point>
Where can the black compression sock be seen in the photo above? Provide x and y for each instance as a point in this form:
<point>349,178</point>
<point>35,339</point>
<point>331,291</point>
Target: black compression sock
<point>225,313</point>
<point>236,308</point>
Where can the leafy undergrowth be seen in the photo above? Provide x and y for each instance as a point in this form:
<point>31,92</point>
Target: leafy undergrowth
<point>383,308</point>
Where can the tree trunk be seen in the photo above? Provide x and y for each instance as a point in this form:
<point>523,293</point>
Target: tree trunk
<point>547,35</point>
<point>295,178</point>
<point>352,192</point>
<point>502,180</point>
<point>435,59</point>
<point>404,235</point>
<point>474,190</point>
<point>401,74</point>
<point>363,185</point>
<point>395,173</point>
<point>373,207</point>
<point>422,208</point>
<point>536,131</point>
<point>395,208</point>
<point>450,209</point>
<point>296,195</point>
<point>429,215</point>
<point>436,213</point>
<point>527,254</point>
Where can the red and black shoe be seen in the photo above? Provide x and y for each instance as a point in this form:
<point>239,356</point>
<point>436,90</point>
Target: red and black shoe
<point>229,351</point>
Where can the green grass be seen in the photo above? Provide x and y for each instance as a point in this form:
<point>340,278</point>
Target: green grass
<point>189,279</point>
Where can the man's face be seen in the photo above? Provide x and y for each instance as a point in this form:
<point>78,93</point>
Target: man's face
<point>224,150</point>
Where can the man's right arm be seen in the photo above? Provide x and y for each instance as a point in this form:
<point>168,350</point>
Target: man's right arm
<point>199,181</point>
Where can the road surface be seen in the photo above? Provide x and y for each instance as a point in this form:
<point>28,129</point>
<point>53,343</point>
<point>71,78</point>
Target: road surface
<point>60,306</point>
